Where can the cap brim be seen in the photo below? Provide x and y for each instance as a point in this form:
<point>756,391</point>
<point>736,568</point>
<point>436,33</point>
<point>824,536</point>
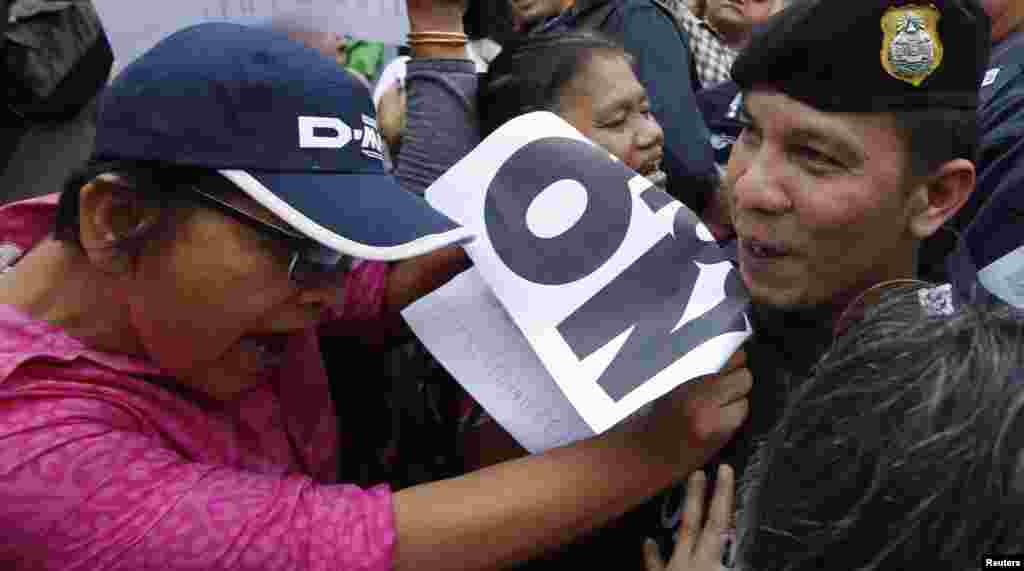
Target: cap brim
<point>367,216</point>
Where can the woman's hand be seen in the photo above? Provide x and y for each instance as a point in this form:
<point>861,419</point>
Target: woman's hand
<point>699,547</point>
<point>516,510</point>
<point>696,420</point>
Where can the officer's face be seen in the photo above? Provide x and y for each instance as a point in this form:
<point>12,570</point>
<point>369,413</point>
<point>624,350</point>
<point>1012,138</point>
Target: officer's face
<point>818,202</point>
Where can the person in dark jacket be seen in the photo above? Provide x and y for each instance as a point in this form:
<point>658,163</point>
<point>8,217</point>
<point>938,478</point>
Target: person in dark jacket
<point>55,59</point>
<point>1001,112</point>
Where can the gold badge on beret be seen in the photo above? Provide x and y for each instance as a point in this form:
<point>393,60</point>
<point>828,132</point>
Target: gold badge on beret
<point>911,47</point>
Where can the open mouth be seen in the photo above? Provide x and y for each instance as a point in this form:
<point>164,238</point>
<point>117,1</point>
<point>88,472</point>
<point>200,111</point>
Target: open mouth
<point>651,166</point>
<point>763,250</point>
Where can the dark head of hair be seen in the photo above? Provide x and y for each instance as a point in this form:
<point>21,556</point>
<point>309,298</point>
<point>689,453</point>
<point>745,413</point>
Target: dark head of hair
<point>157,183</point>
<point>529,73</point>
<point>488,19</point>
<point>902,451</point>
<point>936,136</point>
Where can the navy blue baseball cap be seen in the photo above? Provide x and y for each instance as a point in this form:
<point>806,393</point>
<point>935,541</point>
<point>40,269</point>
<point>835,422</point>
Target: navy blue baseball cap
<point>288,126</point>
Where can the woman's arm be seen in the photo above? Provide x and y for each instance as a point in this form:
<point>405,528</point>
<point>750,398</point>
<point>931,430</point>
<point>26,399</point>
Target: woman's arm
<point>441,122</point>
<point>519,509</point>
<point>89,484</point>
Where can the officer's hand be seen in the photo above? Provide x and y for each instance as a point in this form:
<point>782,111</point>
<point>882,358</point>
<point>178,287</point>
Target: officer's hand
<point>699,547</point>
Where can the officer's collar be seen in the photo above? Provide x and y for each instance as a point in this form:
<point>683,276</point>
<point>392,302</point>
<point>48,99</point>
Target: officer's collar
<point>803,318</point>
<point>789,326</point>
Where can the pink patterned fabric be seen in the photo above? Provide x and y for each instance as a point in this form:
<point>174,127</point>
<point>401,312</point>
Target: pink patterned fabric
<point>105,465</point>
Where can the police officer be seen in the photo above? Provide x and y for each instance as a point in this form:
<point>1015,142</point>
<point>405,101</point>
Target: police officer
<point>856,147</point>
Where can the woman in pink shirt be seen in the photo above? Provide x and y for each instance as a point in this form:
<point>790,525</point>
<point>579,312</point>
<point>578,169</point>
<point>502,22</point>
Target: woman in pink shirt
<point>162,400</point>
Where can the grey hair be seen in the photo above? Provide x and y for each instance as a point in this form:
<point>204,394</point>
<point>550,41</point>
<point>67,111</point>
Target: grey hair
<point>304,27</point>
<point>903,450</point>
<point>289,22</point>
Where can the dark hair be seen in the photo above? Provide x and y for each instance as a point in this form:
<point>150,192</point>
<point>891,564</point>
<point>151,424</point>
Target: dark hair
<point>529,73</point>
<point>488,19</point>
<point>936,136</point>
<point>156,182</point>
<point>902,450</point>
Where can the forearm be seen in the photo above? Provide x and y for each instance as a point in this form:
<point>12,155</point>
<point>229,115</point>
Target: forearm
<point>520,509</point>
<point>411,279</point>
<point>441,125</point>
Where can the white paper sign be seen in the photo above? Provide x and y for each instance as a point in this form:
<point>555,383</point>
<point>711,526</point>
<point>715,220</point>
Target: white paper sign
<point>619,289</point>
<point>134,27</point>
<point>466,329</point>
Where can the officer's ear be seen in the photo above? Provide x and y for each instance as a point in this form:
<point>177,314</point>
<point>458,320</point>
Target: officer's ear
<point>935,199</point>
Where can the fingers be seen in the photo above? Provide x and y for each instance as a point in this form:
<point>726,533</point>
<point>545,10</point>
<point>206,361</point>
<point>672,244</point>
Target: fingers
<point>718,406</point>
<point>701,543</point>
<point>712,539</point>
<point>731,387</point>
<point>652,559</point>
<point>693,516</point>
<point>738,359</point>
<point>732,416</point>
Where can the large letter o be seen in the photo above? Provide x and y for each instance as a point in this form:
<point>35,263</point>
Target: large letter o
<point>584,247</point>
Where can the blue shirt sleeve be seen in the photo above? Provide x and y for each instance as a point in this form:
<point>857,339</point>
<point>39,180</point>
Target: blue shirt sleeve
<point>993,214</point>
<point>441,122</point>
<point>662,63</point>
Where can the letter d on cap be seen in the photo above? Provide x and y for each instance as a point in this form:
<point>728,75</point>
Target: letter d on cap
<point>339,133</point>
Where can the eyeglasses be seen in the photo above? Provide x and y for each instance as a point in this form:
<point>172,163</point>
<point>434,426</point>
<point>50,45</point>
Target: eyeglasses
<point>311,265</point>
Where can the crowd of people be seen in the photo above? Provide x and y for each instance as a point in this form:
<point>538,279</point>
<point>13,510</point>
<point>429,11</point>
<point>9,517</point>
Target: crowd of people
<point>203,363</point>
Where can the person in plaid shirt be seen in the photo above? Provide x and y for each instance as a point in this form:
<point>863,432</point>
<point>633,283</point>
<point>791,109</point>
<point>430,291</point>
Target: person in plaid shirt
<point>718,29</point>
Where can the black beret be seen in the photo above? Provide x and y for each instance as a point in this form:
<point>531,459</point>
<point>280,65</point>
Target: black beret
<point>872,55</point>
